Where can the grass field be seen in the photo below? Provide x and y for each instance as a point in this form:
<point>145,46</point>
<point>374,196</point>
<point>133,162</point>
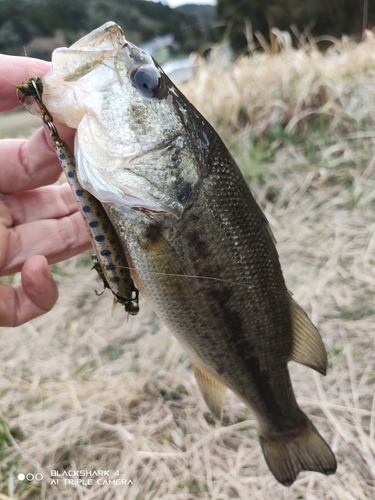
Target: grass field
<point>84,390</point>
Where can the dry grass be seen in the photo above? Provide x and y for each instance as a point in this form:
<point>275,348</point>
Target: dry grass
<point>84,390</point>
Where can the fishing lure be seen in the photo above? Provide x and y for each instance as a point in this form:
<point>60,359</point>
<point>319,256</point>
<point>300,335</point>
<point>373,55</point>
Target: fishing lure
<point>110,260</point>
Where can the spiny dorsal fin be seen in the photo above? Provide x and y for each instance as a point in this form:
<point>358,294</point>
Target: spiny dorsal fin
<point>213,391</point>
<point>308,347</point>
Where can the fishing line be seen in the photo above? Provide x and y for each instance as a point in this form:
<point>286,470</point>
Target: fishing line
<point>222,280</point>
<point>156,273</point>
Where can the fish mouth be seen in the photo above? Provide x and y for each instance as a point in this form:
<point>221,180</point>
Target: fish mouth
<point>109,36</point>
<point>99,47</point>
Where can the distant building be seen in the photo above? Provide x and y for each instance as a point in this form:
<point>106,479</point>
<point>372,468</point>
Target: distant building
<point>181,70</point>
<point>161,47</point>
<point>42,47</point>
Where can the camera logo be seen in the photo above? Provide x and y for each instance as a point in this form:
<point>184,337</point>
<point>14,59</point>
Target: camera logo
<point>30,477</point>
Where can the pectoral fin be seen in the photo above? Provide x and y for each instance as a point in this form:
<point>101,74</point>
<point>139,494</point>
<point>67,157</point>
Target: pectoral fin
<point>164,266</point>
<point>213,391</point>
<point>308,347</point>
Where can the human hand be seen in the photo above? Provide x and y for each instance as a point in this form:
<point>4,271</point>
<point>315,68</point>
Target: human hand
<point>39,222</point>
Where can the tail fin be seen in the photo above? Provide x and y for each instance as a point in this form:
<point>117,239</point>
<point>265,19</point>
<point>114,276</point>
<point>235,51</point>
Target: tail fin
<point>288,455</point>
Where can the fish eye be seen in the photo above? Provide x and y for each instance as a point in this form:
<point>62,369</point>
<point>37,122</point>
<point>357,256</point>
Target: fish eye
<point>147,80</point>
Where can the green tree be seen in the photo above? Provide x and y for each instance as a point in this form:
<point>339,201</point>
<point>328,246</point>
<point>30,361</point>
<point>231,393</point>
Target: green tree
<point>333,17</point>
<point>141,20</point>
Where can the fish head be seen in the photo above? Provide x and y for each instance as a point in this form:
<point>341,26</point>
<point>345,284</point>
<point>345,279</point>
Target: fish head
<point>134,138</point>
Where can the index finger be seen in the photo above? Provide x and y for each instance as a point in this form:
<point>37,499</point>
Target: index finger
<point>14,70</point>
<point>28,163</point>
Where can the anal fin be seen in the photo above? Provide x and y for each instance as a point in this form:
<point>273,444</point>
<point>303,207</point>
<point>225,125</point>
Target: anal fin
<point>308,347</point>
<point>213,391</point>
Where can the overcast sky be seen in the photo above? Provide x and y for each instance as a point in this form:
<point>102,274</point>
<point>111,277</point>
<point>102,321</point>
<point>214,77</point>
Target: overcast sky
<point>176,3</point>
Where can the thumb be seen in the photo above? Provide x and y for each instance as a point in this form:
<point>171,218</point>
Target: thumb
<point>36,294</point>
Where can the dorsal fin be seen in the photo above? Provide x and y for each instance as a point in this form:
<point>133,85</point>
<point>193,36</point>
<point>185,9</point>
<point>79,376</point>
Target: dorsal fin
<point>213,391</point>
<point>308,347</point>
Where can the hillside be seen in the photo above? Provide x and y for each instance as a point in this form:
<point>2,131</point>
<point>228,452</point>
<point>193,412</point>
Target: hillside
<point>43,26</point>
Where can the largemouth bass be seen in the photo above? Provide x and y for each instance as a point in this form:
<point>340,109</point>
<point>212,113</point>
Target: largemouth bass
<point>198,245</point>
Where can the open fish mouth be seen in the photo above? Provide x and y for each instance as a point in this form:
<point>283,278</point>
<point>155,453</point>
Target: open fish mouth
<point>98,46</point>
<point>113,90</point>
